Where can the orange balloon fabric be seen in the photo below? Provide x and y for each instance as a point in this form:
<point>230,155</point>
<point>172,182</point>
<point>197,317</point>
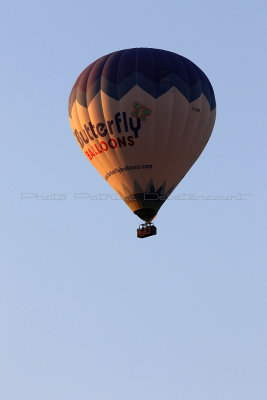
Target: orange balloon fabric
<point>142,117</point>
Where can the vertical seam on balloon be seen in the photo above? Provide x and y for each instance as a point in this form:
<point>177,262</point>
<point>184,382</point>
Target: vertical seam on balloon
<point>97,162</point>
<point>136,72</point>
<point>170,163</point>
<point>108,162</point>
<point>181,136</point>
<point>101,97</point>
<point>166,138</point>
<point>76,101</point>
<point>121,159</point>
<point>202,100</point>
<point>97,139</point>
<point>188,113</point>
<point>172,119</point>
<point>201,96</point>
<point>194,130</point>
<point>200,145</point>
<point>154,118</point>
<point>98,165</point>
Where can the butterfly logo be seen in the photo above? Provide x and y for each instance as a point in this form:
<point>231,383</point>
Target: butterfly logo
<point>141,111</point>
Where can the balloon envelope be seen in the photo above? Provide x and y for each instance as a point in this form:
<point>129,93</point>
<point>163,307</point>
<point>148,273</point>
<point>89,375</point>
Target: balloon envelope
<point>142,117</point>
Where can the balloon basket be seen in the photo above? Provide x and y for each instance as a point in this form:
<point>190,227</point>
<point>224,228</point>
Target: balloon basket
<point>146,230</point>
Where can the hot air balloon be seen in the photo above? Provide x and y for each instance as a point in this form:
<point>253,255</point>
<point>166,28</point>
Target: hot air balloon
<point>142,117</point>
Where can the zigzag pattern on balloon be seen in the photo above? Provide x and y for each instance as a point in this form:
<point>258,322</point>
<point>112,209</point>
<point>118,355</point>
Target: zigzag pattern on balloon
<point>150,189</point>
<point>155,90</point>
<point>117,73</point>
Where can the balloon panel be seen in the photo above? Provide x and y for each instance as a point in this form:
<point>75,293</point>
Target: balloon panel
<point>142,117</point>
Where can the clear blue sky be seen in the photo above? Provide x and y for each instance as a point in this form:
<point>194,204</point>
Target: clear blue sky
<point>87,311</point>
